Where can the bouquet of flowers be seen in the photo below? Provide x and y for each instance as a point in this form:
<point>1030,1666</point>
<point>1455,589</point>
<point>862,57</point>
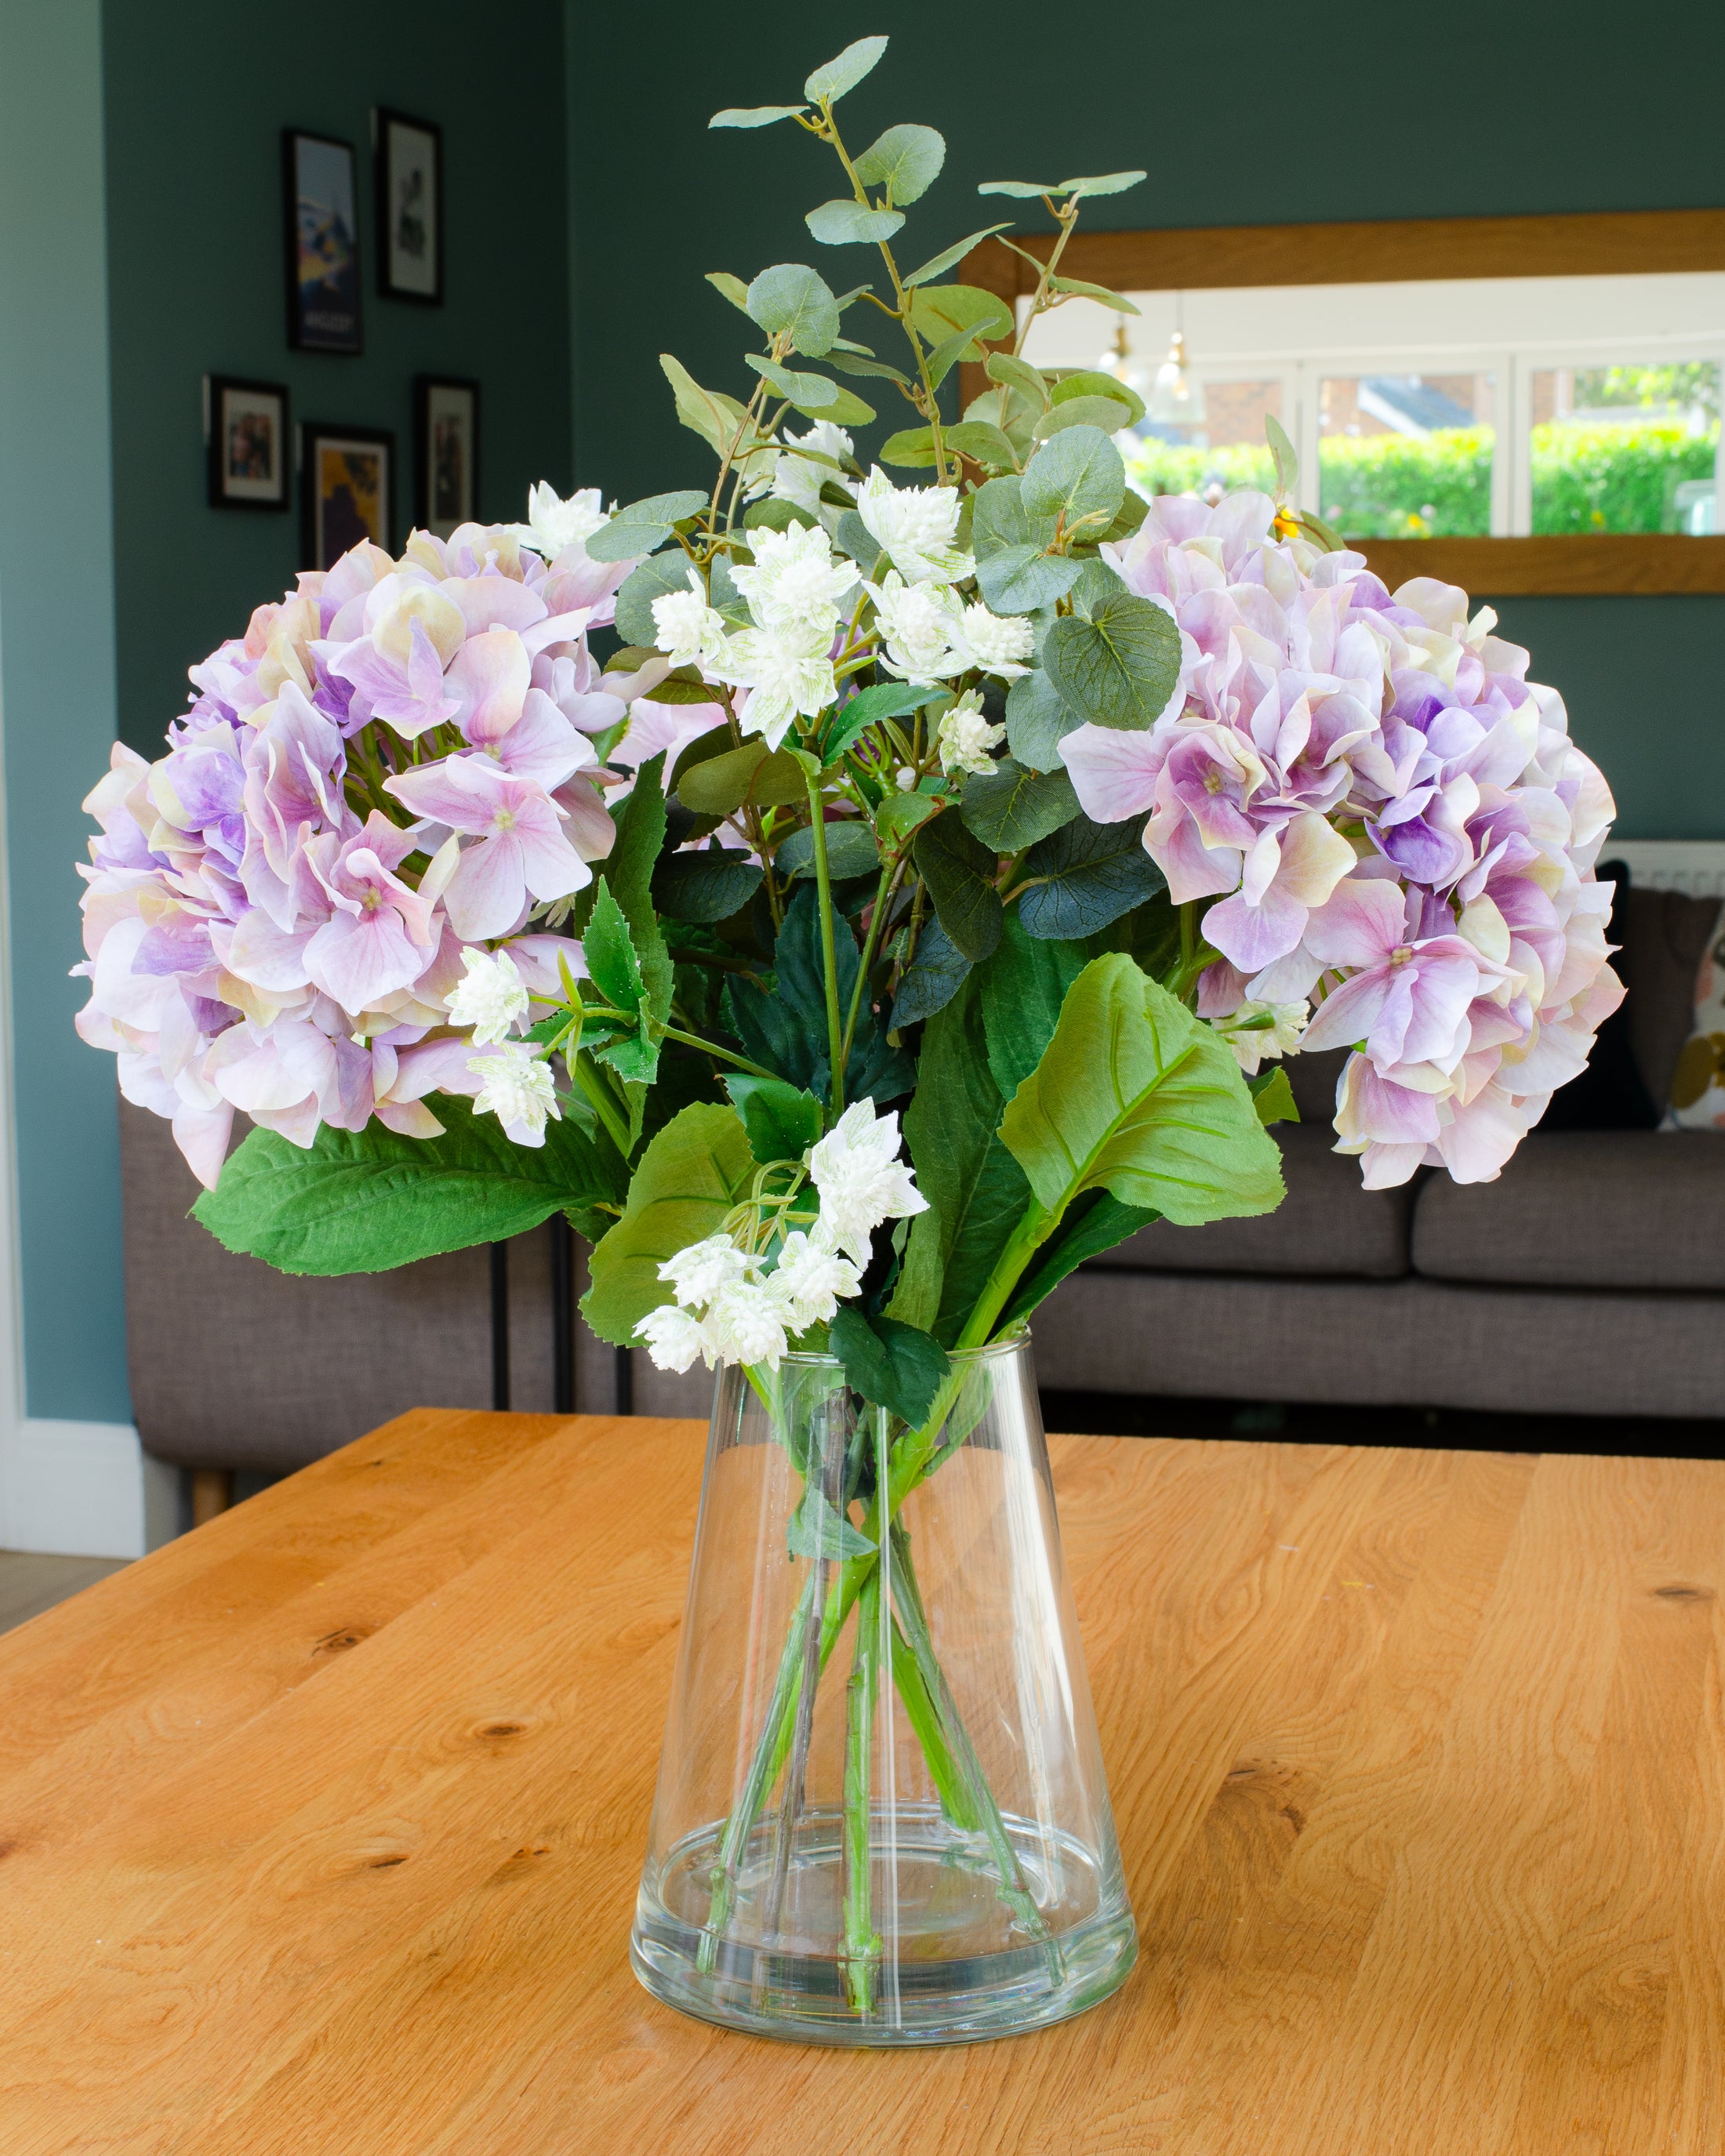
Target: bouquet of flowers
<point>650,863</point>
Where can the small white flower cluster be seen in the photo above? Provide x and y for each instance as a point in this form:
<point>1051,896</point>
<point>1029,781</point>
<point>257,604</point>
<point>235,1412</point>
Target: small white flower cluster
<point>965,737</point>
<point>733,1307</point>
<point>1260,1029</point>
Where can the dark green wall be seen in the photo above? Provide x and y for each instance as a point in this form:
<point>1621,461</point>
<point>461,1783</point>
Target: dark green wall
<point>198,92</point>
<point>1251,114</point>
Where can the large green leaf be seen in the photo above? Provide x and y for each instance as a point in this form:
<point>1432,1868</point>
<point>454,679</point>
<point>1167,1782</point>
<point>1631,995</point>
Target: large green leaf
<point>687,1180</point>
<point>1023,988</point>
<point>792,300</point>
<point>899,1366</point>
<point>366,1201</point>
<point>1010,807</point>
<point>906,160</point>
<point>1118,668</point>
<point>958,870</point>
<point>1096,1223</point>
<point>1136,1096</point>
<point>1088,875</point>
<point>1077,476</point>
<point>977,1192</point>
<point>852,851</point>
<point>716,785</point>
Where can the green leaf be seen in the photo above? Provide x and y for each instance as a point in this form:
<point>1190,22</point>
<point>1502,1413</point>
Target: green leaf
<point>983,444</point>
<point>977,1192</point>
<point>906,161</point>
<point>686,1181</point>
<point>1130,514</point>
<point>1019,374</point>
<point>934,976</point>
<point>1105,183</point>
<point>1076,288</point>
<point>1021,988</point>
<point>786,1031</point>
<point>912,445</point>
<point>366,1201</point>
<point>681,686</point>
<point>854,536</point>
<point>897,1366</point>
<point>850,852</point>
<point>840,223</point>
<point>711,885</point>
<point>899,815</point>
<point>793,301</point>
<point>775,516</point>
<point>830,83</point>
<point>1136,1096</point>
<point>644,524</point>
<point>754,772</point>
<point>1078,475</point>
<point>1119,668</point>
<point>847,363</point>
<point>999,518</point>
<point>1092,381</point>
<point>610,953</point>
<point>1037,721</point>
<point>1107,415</point>
<point>628,875</point>
<point>817,1530</point>
<point>1285,456</point>
<point>948,256</point>
<point>958,871</point>
<point>886,700</point>
<point>940,312</point>
<point>1011,807</point>
<point>1020,190</point>
<point>1273,1097</point>
<point>810,390</point>
<point>754,115</point>
<point>1095,1223</point>
<point>653,580</point>
<point>783,1120</point>
<point>1090,875</point>
<point>718,418</point>
<point>1019,579</point>
<point>732,288</point>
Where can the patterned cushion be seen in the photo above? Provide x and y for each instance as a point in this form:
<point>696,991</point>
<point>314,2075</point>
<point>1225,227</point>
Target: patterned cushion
<point>1698,1082</point>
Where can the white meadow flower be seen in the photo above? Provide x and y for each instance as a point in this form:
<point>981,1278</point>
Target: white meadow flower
<point>553,524</point>
<point>489,998</point>
<point>795,584</point>
<point>674,1338</point>
<point>789,680</point>
<point>965,737</point>
<point>860,1179</point>
<point>996,643</point>
<point>1252,1042</point>
<point>921,624</point>
<point>811,1276</point>
<point>798,481</point>
<point>690,632</point>
<point>697,1274</point>
<point>518,1090</point>
<point>914,526</point>
<point>745,1323</point>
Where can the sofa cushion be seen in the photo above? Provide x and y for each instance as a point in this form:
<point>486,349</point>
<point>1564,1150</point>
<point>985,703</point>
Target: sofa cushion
<point>1327,1226</point>
<point>1664,934</point>
<point>1583,1208</point>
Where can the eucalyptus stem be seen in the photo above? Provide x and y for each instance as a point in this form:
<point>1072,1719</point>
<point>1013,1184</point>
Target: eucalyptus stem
<point>829,950</point>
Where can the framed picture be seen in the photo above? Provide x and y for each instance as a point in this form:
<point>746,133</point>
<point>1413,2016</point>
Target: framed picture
<point>322,243</point>
<point>446,430</point>
<point>347,475</point>
<point>247,425</point>
<point>410,208</point>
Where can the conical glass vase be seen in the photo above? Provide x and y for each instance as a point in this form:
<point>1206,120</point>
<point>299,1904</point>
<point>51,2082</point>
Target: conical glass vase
<point>881,1815</point>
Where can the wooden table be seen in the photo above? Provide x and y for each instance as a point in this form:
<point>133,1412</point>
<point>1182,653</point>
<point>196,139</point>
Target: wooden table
<point>321,1827</point>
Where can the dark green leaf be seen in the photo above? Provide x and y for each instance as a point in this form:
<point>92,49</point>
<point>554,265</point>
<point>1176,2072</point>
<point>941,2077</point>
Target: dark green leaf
<point>855,539</point>
<point>710,885</point>
<point>609,953</point>
<point>933,978</point>
<point>753,772</point>
<point>958,871</point>
<point>897,1366</point>
<point>1021,988</point>
<point>628,874</point>
<point>1119,668</point>
<point>1095,1223</point>
<point>830,81</point>
<point>898,816</point>
<point>906,160</point>
<point>690,1175</point>
<point>1093,873</point>
<point>1037,721</point>
<point>786,1031</point>
<point>1078,475</point>
<point>792,300</point>
<point>783,1120</point>
<point>841,224</point>
<point>852,851</point>
<point>949,256</point>
<point>1012,807</point>
<point>366,1201</point>
<point>886,700</point>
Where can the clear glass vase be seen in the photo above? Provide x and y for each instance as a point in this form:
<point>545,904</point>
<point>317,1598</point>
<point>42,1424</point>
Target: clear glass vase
<point>881,1815</point>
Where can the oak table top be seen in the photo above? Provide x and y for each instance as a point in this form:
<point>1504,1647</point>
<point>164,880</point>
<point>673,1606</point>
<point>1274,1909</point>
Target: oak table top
<point>320,1828</point>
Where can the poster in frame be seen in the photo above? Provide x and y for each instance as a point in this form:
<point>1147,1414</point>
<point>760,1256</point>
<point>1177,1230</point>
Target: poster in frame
<point>409,159</point>
<point>446,431</point>
<point>247,426</point>
<point>321,197</point>
<point>346,485</point>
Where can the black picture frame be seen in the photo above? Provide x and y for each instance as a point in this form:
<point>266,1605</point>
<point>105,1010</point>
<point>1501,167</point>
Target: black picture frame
<point>330,526</point>
<point>320,211</point>
<point>249,461</point>
<point>409,170</point>
<point>446,443</point>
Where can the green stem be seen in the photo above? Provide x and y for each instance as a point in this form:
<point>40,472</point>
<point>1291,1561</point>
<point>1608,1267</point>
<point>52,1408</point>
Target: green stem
<point>598,1093</point>
<point>862,1942</point>
<point>883,894</point>
<point>823,884</point>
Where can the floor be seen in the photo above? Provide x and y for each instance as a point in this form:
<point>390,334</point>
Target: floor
<point>30,1584</point>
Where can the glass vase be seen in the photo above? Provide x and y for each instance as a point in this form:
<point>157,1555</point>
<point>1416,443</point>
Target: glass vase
<point>881,1814</point>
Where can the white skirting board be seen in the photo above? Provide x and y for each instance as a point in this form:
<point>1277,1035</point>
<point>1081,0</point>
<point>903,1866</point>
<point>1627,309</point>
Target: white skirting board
<point>84,1489</point>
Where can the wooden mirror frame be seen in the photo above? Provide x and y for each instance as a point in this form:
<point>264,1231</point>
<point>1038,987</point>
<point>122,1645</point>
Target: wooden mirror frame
<point>1613,243</point>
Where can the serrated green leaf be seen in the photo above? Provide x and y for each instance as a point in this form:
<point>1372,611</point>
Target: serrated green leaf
<point>732,288</point>
<point>783,1120</point>
<point>1011,807</point>
<point>906,161</point>
<point>610,954</point>
<point>831,81</point>
<point>1273,1097</point>
<point>1102,183</point>
<point>938,263</point>
<point>1076,288</point>
<point>1078,475</point>
<point>1119,668</point>
<point>840,223</point>
<point>1088,875</point>
<point>895,1366</point>
<point>958,870</point>
<point>686,1181</point>
<point>754,115</point>
<point>709,885</point>
<point>367,1201</point>
<point>792,300</point>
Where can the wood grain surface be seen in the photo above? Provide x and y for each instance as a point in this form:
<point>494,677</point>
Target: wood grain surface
<point>320,1828</point>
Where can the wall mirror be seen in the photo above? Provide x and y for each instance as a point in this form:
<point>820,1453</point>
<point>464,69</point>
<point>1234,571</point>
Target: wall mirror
<point>1515,404</point>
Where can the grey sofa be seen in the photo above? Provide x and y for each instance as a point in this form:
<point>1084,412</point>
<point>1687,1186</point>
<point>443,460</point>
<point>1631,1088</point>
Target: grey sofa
<point>1589,1278</point>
